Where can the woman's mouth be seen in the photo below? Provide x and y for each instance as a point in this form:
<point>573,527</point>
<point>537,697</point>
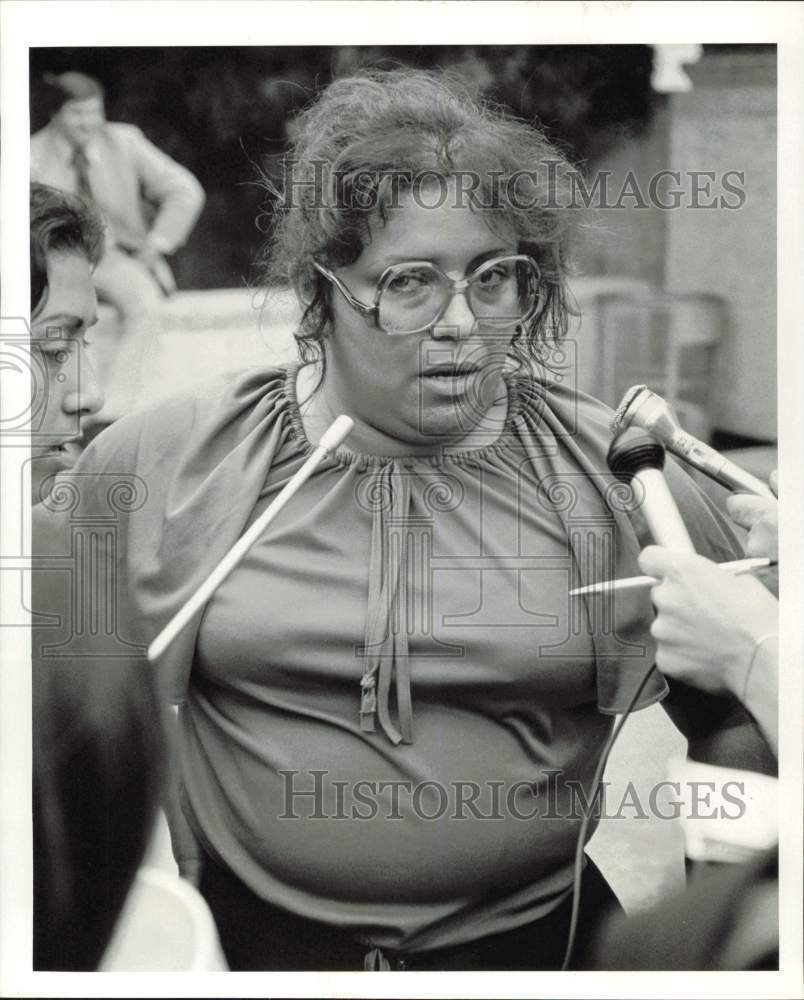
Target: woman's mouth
<point>450,371</point>
<point>69,449</point>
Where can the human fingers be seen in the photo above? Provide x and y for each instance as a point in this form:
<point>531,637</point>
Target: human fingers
<point>763,539</point>
<point>675,663</point>
<point>655,560</point>
<point>746,509</point>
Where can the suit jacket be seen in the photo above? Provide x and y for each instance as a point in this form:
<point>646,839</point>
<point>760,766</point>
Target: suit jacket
<point>126,171</point>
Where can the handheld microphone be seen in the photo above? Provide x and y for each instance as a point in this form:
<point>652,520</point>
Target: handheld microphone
<point>334,435</point>
<point>638,455</point>
<point>642,408</point>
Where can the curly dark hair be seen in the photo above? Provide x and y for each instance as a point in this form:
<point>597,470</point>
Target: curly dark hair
<point>60,222</point>
<point>367,136</point>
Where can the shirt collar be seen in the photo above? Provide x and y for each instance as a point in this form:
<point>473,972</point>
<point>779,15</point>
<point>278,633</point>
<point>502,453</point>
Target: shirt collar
<point>66,150</point>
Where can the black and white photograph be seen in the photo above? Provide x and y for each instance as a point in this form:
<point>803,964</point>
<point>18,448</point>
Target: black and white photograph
<point>401,546</point>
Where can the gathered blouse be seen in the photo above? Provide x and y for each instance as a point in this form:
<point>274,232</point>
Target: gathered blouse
<point>391,710</point>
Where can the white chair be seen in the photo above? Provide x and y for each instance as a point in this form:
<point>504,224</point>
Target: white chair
<point>581,354</point>
<point>667,341</point>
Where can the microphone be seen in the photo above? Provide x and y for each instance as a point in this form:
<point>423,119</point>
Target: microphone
<point>642,408</point>
<point>332,437</point>
<point>638,455</point>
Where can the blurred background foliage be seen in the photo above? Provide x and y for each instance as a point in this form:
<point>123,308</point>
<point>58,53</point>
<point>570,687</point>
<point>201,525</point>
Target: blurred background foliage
<point>226,112</point>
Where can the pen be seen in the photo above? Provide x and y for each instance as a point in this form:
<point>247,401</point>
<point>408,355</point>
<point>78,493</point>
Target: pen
<point>736,568</point>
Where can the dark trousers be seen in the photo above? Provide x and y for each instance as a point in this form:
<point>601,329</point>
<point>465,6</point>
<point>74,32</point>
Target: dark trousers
<point>258,936</point>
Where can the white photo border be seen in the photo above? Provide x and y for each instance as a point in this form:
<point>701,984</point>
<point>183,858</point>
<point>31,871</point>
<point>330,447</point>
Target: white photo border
<point>63,23</point>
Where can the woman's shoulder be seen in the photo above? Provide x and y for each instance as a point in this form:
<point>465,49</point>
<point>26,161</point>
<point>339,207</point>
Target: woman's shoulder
<point>214,413</point>
<point>203,454</point>
<point>220,396</point>
<point>549,403</point>
<point>582,426</point>
<point>566,398</point>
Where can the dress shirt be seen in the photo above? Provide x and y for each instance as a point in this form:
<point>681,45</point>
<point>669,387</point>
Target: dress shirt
<point>126,172</point>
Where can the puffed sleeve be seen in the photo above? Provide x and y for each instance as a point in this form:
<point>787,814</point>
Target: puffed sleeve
<point>155,502</point>
<point>128,535</point>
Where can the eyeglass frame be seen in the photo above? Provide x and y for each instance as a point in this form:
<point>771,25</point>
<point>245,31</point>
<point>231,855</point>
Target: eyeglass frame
<point>371,312</point>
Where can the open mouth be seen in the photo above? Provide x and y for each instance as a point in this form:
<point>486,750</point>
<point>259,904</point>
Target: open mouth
<point>450,371</point>
<point>67,447</point>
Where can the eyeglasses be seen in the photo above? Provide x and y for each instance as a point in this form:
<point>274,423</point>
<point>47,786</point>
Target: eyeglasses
<point>413,296</point>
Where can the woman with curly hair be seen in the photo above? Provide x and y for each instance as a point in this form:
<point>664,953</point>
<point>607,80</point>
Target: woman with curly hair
<point>388,710</point>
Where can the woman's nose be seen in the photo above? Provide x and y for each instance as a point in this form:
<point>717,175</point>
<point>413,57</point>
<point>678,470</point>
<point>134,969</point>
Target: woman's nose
<point>85,395</point>
<point>458,320</point>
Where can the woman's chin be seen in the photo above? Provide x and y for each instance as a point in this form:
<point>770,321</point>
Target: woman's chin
<point>44,469</point>
<point>41,486</point>
<point>461,419</point>
<point>447,425</point>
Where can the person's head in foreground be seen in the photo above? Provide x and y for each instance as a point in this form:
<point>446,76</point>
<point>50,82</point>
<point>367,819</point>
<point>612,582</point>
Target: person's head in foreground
<point>66,244</point>
<point>99,758</point>
<point>78,110</point>
<point>422,233</point>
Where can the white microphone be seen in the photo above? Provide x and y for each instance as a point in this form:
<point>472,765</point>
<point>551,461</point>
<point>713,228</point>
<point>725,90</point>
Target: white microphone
<point>638,456</point>
<point>642,408</point>
<point>330,440</point>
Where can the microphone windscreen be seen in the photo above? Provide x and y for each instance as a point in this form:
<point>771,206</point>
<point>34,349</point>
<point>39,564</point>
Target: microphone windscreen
<point>626,402</point>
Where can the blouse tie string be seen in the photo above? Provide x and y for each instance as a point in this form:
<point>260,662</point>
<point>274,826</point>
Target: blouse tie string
<point>386,641</point>
<point>375,961</point>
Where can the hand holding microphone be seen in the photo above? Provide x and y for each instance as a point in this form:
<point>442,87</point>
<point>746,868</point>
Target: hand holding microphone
<point>704,616</point>
<point>761,517</point>
<point>638,456</point>
<point>707,622</point>
<point>716,632</point>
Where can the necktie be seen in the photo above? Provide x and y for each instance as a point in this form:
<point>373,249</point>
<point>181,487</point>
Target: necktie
<point>81,164</point>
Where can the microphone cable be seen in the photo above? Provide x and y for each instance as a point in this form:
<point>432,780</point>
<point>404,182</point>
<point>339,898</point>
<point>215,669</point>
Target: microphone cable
<point>596,780</point>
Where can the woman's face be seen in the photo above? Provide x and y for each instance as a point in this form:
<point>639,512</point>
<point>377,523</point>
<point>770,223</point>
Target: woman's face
<point>401,387</point>
<point>64,388</point>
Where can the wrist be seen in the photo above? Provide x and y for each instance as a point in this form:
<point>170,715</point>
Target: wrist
<point>765,653</point>
<point>756,621</point>
<point>157,243</point>
<point>760,693</point>
<point>738,660</point>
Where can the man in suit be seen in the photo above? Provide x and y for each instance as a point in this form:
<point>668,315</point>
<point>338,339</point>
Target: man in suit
<point>114,167</point>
